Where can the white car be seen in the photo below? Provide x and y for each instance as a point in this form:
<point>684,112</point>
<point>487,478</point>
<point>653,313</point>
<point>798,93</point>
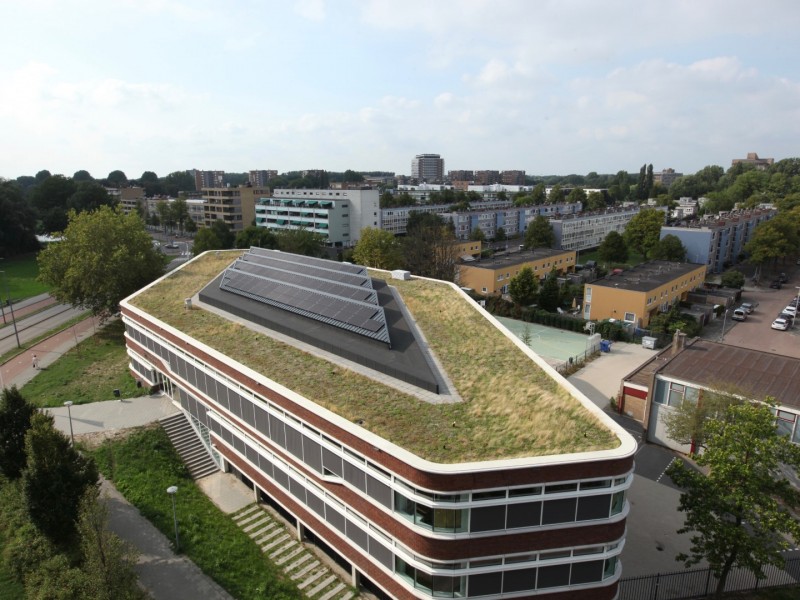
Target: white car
<point>781,324</point>
<point>791,309</point>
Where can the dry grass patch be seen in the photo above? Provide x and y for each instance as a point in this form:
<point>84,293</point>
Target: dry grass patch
<point>511,407</point>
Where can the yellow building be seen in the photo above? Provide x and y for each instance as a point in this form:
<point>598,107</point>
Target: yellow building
<point>492,276</point>
<point>471,248</point>
<point>236,206</point>
<point>636,295</point>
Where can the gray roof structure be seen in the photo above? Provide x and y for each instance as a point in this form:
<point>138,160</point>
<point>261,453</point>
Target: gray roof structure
<point>646,276</point>
<point>313,317</point>
<point>517,258</point>
<point>721,366</point>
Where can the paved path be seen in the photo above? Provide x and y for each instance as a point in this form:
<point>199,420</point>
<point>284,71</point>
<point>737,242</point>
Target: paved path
<point>164,575</point>
<point>19,370</point>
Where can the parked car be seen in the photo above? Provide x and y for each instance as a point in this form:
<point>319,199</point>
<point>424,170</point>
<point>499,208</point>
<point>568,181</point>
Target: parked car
<point>749,306</point>
<point>739,314</point>
<point>775,284</point>
<point>783,278</point>
<point>791,309</point>
<point>780,324</point>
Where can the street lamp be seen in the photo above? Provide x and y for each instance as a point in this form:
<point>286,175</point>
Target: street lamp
<point>10,308</point>
<point>172,490</point>
<point>796,301</point>
<point>68,403</point>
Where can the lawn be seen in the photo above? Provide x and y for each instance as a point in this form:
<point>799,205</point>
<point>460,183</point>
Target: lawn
<point>142,466</point>
<point>634,259</point>
<point>20,276</point>
<point>90,372</point>
<point>511,407</point>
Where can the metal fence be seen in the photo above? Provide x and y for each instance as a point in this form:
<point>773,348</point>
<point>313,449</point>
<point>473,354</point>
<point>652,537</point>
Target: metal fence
<point>700,583</point>
<point>573,362</point>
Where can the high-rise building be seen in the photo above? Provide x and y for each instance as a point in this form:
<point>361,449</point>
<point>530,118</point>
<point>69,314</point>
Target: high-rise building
<point>233,205</point>
<point>259,178</point>
<point>468,176</point>
<point>428,168</point>
<point>208,179</point>
<point>512,177</point>
<point>315,383</point>
<point>487,177</point>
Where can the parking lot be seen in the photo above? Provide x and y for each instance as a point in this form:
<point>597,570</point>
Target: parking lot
<point>756,332</point>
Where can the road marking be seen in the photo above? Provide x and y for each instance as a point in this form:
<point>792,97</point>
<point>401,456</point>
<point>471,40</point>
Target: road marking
<point>665,469</point>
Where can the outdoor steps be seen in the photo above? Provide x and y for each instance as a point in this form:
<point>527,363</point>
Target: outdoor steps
<point>279,545</point>
<point>189,446</point>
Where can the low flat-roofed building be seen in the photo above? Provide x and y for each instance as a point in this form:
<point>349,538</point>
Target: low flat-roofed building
<point>687,370</point>
<point>491,276</point>
<point>352,401</point>
<point>635,295</point>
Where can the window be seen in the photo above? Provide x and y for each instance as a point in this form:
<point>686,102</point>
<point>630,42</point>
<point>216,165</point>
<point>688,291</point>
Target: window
<point>630,317</point>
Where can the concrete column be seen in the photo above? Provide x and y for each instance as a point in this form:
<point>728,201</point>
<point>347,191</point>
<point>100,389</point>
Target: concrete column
<point>355,577</point>
<point>301,531</point>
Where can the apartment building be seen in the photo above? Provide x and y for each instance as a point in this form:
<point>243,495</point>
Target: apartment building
<point>635,295</point>
<point>588,230</point>
<point>329,405</point>
<point>666,176</point>
<point>208,179</point>
<point>235,206</point>
<point>259,178</point>
<point>427,168</point>
<point>491,276</point>
<point>337,215</point>
<point>718,241</point>
<point>129,198</point>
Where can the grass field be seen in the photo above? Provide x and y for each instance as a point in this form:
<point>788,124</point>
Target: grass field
<point>20,275</point>
<point>142,466</point>
<point>90,372</point>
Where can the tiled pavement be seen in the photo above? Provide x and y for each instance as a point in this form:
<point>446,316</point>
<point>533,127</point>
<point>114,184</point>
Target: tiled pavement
<point>313,577</point>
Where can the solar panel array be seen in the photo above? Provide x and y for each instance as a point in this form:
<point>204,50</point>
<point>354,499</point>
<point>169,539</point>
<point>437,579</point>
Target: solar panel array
<point>334,293</point>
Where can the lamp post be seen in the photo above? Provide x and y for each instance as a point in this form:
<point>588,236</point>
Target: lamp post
<point>11,309</point>
<point>68,403</point>
<point>172,490</point>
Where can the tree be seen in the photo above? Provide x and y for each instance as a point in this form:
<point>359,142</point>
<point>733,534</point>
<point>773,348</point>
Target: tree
<point>164,211</point>
<point>500,234</point>
<point>539,233</point>
<point>538,195</point>
<point>180,212</point>
<point>577,195</point>
<point>55,479</point>
<point>18,224</point>
<point>103,257</point>
<point>15,420</point>
<point>179,181</point>
<point>301,241</point>
<point>732,279</point>
<point>256,236</point>
<point>50,200</point>
<point>739,510</point>
<point>773,239</point>
<point>522,287</point>
<point>477,235</point>
<point>205,240</point>
<point>595,201</point>
<point>686,423</point>
<point>556,195</point>
<point>82,175</point>
<point>191,226</point>
<point>89,195</point>
<point>613,248</point>
<point>378,249</point>
<point>549,297</point>
<point>643,230</point>
<point>428,247</point>
<point>669,247</point>
<point>107,561</point>
<point>224,233</point>
<point>117,179</point>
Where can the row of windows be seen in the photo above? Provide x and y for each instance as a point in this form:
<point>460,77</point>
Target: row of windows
<point>438,585</point>
<point>326,456</point>
<point>507,582</point>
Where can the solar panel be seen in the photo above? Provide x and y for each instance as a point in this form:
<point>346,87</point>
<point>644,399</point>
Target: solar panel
<point>293,283</point>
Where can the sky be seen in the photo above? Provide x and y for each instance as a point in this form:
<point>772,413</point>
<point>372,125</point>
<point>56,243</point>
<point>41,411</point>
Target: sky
<point>549,87</point>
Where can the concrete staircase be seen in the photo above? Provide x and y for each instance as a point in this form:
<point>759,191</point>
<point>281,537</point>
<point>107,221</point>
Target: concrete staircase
<point>189,446</point>
<point>311,576</point>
